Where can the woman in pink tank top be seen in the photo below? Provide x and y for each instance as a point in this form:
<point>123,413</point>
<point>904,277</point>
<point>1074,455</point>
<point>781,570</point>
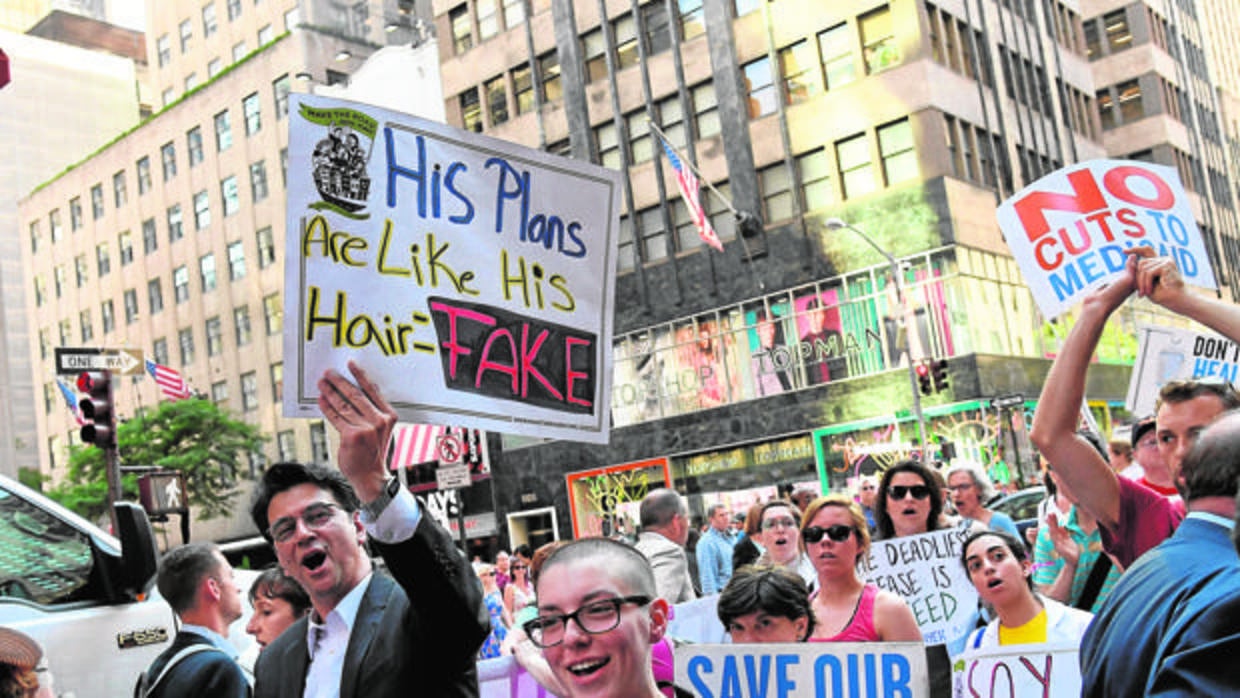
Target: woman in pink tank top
<point>846,610</point>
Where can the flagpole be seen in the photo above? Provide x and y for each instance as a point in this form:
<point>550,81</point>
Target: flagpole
<point>726,202</point>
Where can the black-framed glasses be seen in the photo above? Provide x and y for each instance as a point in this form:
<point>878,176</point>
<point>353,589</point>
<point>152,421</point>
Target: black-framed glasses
<point>594,618</point>
<point>837,533</point>
<point>315,516</point>
<point>902,491</point>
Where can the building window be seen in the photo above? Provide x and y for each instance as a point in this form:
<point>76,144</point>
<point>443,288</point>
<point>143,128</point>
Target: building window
<point>241,321</point>
<point>776,187</point>
<point>280,88</point>
<point>653,235</point>
<point>898,152</point>
<point>471,110</point>
<point>58,279</point>
<point>838,66</point>
<point>236,260</point>
<point>193,144</point>
<point>1119,37</point>
<point>1106,108</point>
<point>249,392</point>
<point>265,35</point>
<point>273,313</point>
<point>40,291</point>
<point>88,332</point>
<point>208,20</point>
<point>705,109</point>
<point>206,272</point>
<point>168,155</point>
<point>163,47</point>
<point>238,51</point>
<point>277,381</point>
<point>53,222</point>
<point>760,87</point>
<point>253,116</point>
<point>655,29</point>
<point>215,336</point>
<point>75,213</point>
<point>66,328</point>
<point>856,174</point>
<point>234,9</point>
<point>168,96</point>
<point>641,142</point>
<point>150,236</point>
<point>672,120</point>
<point>103,262</point>
<point>143,167</point>
<point>175,231</point>
<point>223,131</point>
<point>45,343</point>
<point>815,171</point>
<point>125,245</point>
<point>96,201</point>
<point>318,442</point>
<point>488,19</point>
<point>284,166</point>
<point>497,99</point>
<point>594,48</point>
<point>287,445</point>
<point>462,35</point>
<point>608,145</point>
<point>523,88</point>
<point>624,28</point>
<point>187,33</point>
<point>266,248</point>
<point>230,195</point>
<point>35,236</point>
<point>107,316</point>
<point>1130,106</point>
<point>797,65</point>
<point>159,351</point>
<point>81,270</point>
<point>292,18</point>
<point>202,210</point>
<point>214,66</point>
<point>180,284</point>
<point>131,306</point>
<point>878,40</point>
<point>219,392</point>
<point>120,192</point>
<point>155,295</point>
<point>258,181</point>
<point>549,77</point>
<point>185,339</point>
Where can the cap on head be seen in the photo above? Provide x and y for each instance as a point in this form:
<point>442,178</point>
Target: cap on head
<point>1142,428</point>
<point>18,649</point>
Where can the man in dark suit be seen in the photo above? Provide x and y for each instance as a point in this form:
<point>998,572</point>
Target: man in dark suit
<point>1159,621</point>
<point>369,635</point>
<point>198,583</point>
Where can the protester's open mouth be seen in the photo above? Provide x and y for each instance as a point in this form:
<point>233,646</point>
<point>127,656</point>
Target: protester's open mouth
<point>909,511</point>
<point>314,560</point>
<point>588,667</point>
<point>994,583</point>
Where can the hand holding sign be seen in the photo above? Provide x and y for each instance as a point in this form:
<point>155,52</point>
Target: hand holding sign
<point>1158,278</point>
<point>365,421</point>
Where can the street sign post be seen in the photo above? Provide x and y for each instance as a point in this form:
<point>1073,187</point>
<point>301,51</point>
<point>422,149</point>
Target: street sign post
<point>74,360</point>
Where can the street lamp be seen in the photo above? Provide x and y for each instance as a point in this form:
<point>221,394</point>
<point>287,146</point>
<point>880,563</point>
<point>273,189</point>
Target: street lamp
<point>838,224</point>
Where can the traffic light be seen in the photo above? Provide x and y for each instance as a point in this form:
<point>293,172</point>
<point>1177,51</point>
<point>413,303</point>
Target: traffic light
<point>923,377</point>
<point>97,408</point>
<point>939,373</point>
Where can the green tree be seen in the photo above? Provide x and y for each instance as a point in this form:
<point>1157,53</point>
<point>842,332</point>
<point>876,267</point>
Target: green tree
<point>194,436</point>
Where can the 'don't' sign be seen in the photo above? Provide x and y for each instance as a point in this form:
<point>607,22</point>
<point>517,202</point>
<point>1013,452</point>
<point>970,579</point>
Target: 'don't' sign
<point>1068,230</point>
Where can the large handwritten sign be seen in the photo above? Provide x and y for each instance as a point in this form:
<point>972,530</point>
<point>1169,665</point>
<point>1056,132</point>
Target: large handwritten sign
<point>472,277</point>
<point>1167,354</point>
<point>880,669</point>
<point>925,571</point>
<point>1032,671</point>
<point>1068,231</point>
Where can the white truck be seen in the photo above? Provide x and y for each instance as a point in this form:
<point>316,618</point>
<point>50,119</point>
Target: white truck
<point>87,597</point>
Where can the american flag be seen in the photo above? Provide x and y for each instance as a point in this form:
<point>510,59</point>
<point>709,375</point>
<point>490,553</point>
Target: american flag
<point>414,444</point>
<point>688,184</point>
<point>170,382</point>
<point>71,401</point>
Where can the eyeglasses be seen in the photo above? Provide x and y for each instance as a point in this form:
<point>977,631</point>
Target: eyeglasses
<point>594,618</point>
<point>837,533</point>
<point>962,487</point>
<point>784,521</point>
<point>518,567</point>
<point>315,516</point>
<point>901,491</point>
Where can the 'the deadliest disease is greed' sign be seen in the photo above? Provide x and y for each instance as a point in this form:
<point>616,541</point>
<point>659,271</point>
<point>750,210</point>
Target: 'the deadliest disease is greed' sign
<point>472,278</point>
<point>1167,354</point>
<point>1036,671</point>
<point>1068,231</point>
<point>878,669</point>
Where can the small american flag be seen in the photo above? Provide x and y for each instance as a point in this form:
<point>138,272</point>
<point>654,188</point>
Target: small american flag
<point>71,401</point>
<point>688,184</point>
<point>171,384</point>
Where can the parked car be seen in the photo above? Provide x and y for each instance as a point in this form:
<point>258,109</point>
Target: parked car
<point>1022,506</point>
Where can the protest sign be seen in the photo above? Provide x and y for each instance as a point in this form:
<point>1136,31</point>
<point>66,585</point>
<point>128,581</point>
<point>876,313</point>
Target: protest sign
<point>472,278</point>
<point>1068,230</point>
<point>925,571</point>
<point>1167,354</point>
<point>502,677</point>
<point>1034,671</point>
<point>879,669</point>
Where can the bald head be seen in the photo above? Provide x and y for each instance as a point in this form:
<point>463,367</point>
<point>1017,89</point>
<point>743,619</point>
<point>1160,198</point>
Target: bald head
<point>623,563</point>
<point>1212,466</point>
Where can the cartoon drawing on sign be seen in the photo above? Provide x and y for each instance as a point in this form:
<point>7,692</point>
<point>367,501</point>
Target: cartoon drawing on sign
<point>338,159</point>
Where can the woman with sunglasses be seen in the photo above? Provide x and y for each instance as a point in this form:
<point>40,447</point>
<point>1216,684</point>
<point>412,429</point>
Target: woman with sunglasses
<point>999,568</point>
<point>518,593</point>
<point>845,609</point>
<point>910,501</point>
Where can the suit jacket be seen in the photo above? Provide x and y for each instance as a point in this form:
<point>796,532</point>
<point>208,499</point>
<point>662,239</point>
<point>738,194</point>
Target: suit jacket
<point>1149,605</point>
<point>209,674</point>
<point>1198,654</point>
<point>416,632</point>
<point>670,565</point>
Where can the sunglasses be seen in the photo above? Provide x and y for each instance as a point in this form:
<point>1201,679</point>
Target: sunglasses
<point>837,533</point>
<point>901,491</point>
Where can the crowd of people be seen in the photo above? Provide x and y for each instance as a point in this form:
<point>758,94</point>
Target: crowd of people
<point>1142,578</point>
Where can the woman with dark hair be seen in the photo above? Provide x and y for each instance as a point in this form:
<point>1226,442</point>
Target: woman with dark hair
<point>846,609</point>
<point>748,549</point>
<point>781,537</point>
<point>910,501</point>
<point>278,601</point>
<point>766,603</point>
<point>999,568</point>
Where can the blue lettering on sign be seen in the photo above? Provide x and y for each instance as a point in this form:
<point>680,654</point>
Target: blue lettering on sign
<point>784,685</point>
<point>695,667</point>
<point>1203,368</point>
<point>896,676</point>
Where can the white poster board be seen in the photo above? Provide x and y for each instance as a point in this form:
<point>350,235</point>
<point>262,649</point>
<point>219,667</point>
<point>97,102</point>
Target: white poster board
<point>471,277</point>
<point>1068,230</point>
<point>1035,671</point>
<point>925,571</point>
<point>1167,353</point>
<point>804,669</point>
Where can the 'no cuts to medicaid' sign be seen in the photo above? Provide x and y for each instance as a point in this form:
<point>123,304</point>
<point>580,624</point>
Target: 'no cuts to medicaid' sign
<point>1167,354</point>
<point>472,278</point>
<point>1068,231</point>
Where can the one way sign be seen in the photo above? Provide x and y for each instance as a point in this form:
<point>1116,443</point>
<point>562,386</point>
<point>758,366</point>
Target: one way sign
<point>74,360</point>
